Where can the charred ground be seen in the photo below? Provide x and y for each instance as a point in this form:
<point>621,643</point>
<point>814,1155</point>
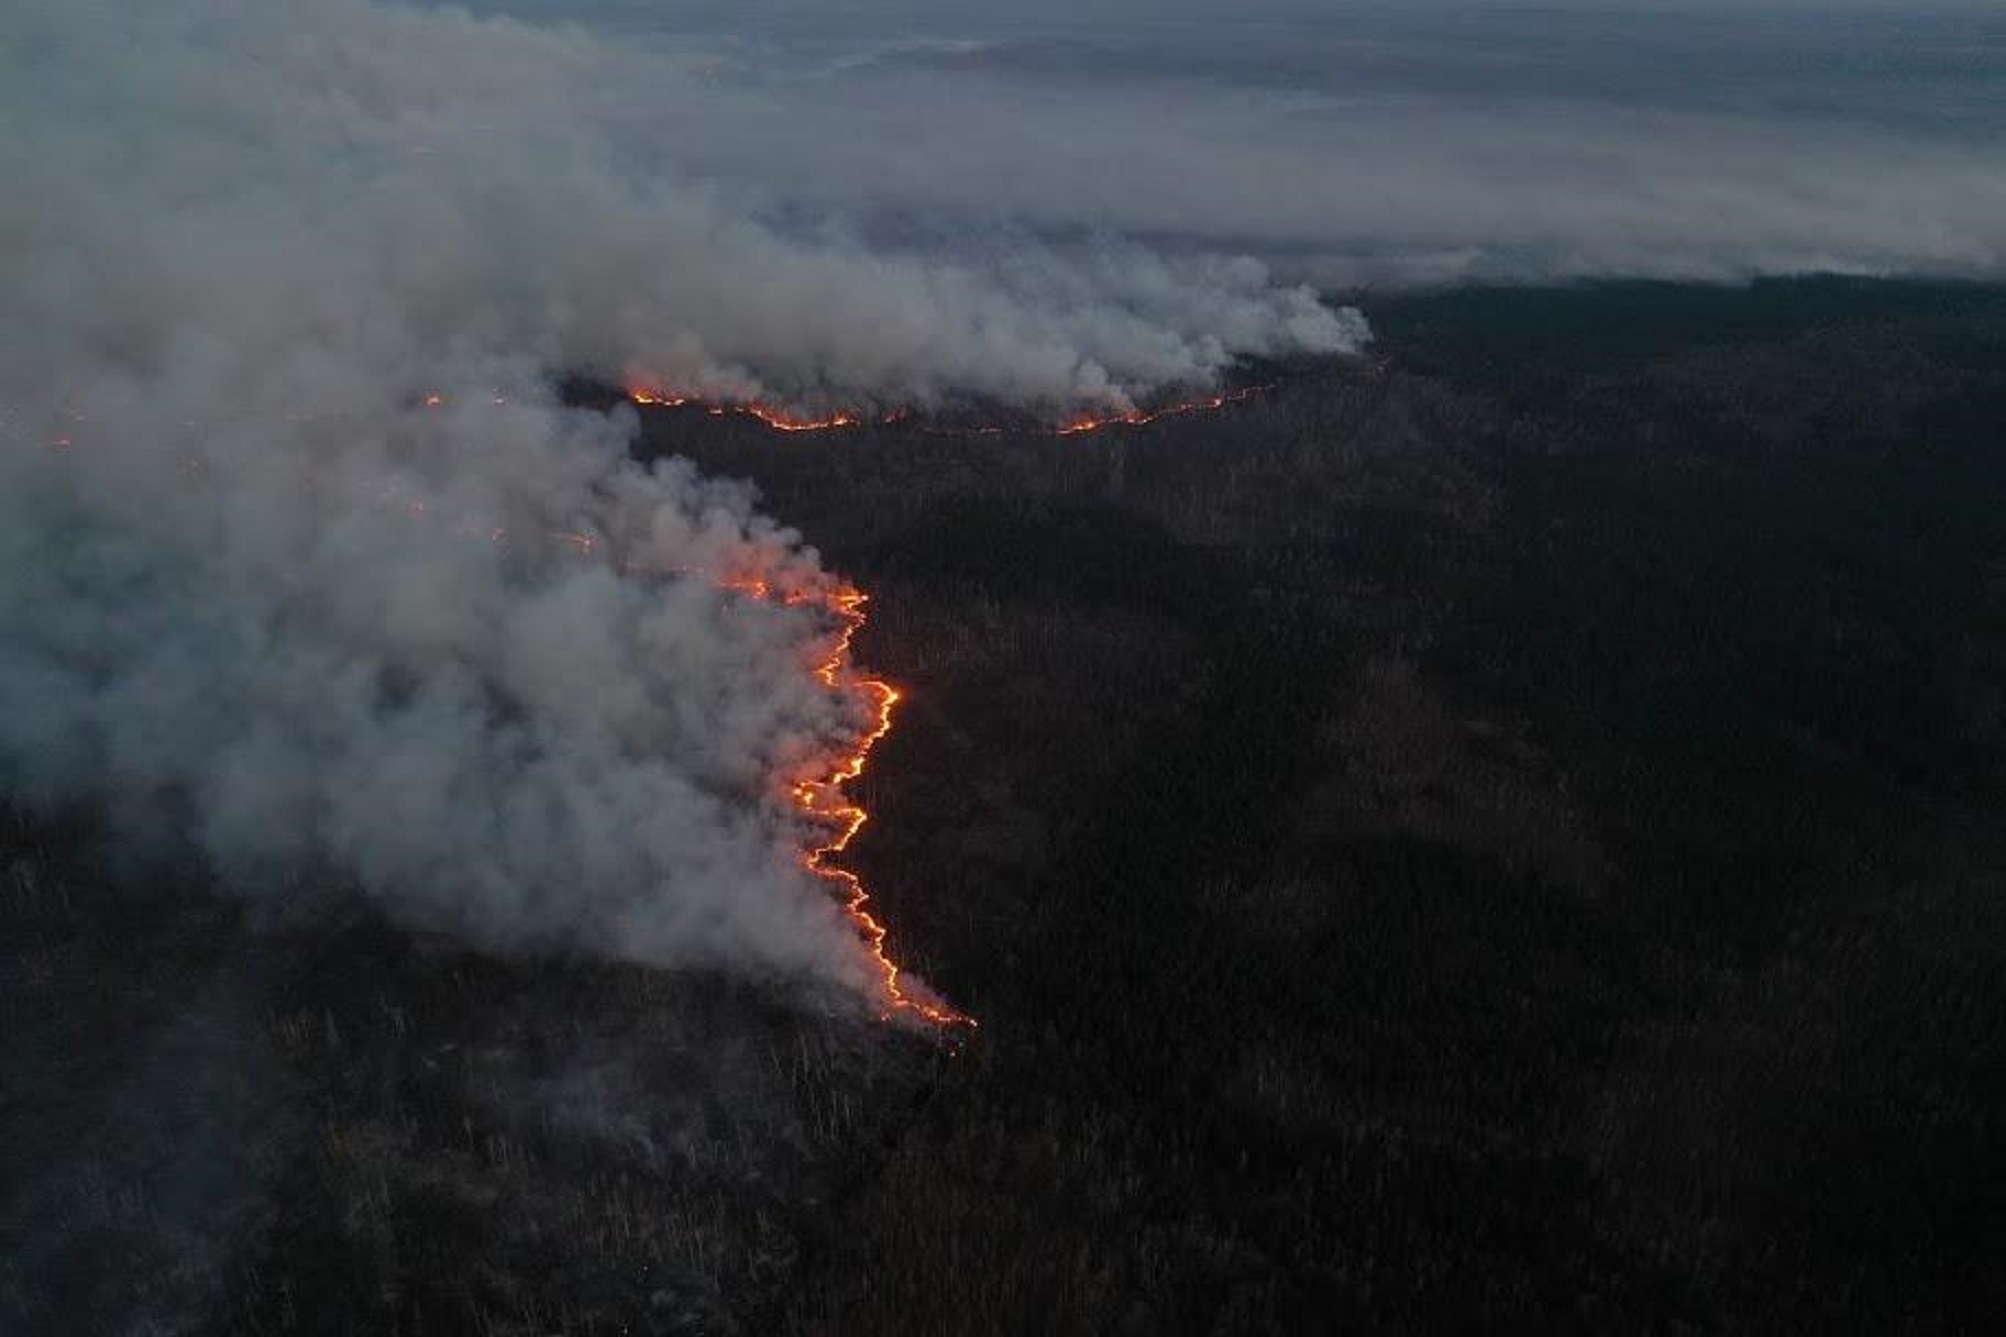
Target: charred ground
<point>1503,833</point>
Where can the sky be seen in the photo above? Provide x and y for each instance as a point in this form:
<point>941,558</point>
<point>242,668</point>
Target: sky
<point>1356,144</point>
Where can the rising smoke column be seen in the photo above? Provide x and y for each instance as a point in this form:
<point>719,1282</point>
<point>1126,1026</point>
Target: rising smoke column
<point>304,568</point>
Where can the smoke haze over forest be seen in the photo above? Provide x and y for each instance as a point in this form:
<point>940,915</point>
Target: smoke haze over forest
<point>1437,569</point>
<point>309,573</point>
<point>255,242</point>
<point>1354,143</point>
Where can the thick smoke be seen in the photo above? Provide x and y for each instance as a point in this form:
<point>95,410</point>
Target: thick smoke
<point>306,569</point>
<point>490,184</point>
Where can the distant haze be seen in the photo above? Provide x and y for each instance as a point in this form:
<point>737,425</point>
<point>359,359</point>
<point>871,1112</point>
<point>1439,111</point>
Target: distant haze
<point>1354,143</point>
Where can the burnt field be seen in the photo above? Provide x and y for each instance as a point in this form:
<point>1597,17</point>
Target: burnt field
<point>1501,833</point>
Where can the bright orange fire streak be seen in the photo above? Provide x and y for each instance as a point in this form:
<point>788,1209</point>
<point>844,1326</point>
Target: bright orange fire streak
<point>782,421</point>
<point>828,807</point>
<point>1139,418</point>
<point>778,419</point>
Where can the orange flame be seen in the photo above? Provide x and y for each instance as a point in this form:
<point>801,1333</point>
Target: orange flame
<point>820,799</point>
<point>780,420</point>
<point>1139,418</point>
<point>824,802</point>
<point>655,398</point>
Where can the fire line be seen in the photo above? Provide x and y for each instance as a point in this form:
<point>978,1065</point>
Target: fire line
<point>822,798</point>
<point>782,420</point>
<point>827,806</point>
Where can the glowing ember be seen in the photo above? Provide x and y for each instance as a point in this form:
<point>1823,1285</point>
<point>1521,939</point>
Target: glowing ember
<point>1139,418</point>
<point>780,420</point>
<point>655,399</point>
<point>777,418</point>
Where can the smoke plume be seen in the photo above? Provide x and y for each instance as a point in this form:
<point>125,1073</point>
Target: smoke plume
<point>303,567</point>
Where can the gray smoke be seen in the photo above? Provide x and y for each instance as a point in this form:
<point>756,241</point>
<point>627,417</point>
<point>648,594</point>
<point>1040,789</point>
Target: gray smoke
<point>303,565</point>
<point>490,184</point>
<point>1356,141</point>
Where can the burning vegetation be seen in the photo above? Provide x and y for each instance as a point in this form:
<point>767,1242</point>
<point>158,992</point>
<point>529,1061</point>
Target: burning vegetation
<point>646,393</point>
<point>821,795</point>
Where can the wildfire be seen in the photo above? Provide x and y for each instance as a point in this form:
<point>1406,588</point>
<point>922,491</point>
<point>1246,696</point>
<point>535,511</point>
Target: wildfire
<point>828,808</point>
<point>655,399</point>
<point>1139,418</point>
<point>820,798</point>
<point>777,418</point>
<point>781,420</point>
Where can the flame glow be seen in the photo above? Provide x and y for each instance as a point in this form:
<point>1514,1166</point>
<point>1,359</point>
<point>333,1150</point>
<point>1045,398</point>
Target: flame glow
<point>782,420</point>
<point>1140,418</point>
<point>822,799</point>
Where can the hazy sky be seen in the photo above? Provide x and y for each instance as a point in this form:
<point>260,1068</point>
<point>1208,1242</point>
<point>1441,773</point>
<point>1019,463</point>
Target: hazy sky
<point>1360,141</point>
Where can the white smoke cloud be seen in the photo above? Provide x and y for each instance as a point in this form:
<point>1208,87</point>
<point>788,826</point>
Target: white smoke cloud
<point>338,642</point>
<point>515,188</point>
<point>262,599</point>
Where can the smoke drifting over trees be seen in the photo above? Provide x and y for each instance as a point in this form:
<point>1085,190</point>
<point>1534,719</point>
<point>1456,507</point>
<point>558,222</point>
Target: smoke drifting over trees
<point>307,569</point>
<point>1355,142</point>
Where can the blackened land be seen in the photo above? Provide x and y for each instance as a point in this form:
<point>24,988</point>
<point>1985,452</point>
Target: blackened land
<point>1503,833</point>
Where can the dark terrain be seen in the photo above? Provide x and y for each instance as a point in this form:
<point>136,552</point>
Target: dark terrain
<point>1503,834</point>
